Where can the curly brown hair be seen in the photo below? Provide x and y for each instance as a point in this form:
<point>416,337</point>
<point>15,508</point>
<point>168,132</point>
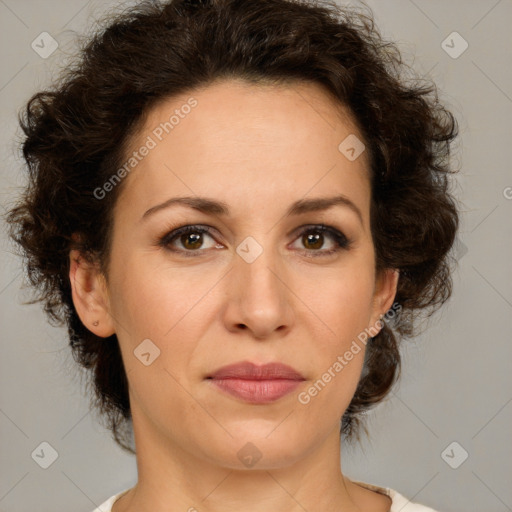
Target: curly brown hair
<point>77,133</point>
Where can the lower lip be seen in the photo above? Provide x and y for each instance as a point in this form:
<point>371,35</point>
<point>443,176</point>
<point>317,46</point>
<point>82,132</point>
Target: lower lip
<point>257,391</point>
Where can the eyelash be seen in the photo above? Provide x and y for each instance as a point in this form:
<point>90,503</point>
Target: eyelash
<point>342,242</point>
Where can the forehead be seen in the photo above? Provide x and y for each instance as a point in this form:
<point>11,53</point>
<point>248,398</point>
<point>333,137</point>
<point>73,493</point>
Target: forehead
<point>254,112</point>
<point>262,141</point>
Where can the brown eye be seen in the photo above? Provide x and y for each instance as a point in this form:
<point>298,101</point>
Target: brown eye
<point>190,239</point>
<point>313,239</point>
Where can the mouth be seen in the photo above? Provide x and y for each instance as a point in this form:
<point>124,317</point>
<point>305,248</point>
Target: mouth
<point>255,384</point>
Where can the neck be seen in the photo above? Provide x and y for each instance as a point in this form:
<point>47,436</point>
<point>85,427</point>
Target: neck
<point>173,479</point>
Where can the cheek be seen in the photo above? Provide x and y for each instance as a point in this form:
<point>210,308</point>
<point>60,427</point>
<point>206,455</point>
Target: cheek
<point>331,392</point>
<point>152,301</point>
<point>340,361</point>
<point>341,300</point>
<point>158,325</point>
<point>340,307</point>
<point>162,312</point>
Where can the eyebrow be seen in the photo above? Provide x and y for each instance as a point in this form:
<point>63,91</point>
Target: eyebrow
<point>211,206</point>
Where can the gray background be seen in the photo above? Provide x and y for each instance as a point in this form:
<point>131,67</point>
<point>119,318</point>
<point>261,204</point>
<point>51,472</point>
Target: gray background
<point>456,383</point>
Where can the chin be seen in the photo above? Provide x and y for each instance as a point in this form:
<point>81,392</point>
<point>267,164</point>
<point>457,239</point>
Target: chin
<point>260,446</point>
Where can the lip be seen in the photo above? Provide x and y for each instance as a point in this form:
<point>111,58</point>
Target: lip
<point>257,384</point>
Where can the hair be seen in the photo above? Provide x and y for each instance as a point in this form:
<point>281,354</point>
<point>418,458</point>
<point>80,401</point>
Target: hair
<point>76,134</point>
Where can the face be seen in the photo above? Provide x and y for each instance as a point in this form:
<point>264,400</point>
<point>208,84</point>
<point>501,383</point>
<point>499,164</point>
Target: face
<point>263,284</point>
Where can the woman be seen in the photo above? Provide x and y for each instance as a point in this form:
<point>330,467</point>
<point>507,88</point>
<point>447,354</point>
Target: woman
<point>239,209</point>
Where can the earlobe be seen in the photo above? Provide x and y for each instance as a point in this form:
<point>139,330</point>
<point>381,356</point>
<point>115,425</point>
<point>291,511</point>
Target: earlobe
<point>90,295</point>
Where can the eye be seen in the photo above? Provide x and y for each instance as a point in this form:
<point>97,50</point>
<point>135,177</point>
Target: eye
<point>191,239</point>
<point>313,238</point>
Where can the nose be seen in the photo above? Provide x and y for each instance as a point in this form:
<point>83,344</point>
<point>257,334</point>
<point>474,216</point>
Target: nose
<point>259,298</point>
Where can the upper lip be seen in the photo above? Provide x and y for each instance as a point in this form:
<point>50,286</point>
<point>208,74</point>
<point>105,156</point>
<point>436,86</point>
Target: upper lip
<point>251,371</point>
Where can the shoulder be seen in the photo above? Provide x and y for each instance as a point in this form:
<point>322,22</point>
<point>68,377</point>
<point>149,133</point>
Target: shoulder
<point>399,502</point>
<point>106,506</point>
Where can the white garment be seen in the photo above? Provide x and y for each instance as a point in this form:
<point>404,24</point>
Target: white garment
<point>399,502</point>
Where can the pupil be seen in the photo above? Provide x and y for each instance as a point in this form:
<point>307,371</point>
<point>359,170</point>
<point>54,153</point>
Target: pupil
<point>195,240</point>
<point>315,239</point>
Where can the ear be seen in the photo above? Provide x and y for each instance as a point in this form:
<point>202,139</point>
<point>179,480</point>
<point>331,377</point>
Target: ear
<point>385,291</point>
<point>90,295</point>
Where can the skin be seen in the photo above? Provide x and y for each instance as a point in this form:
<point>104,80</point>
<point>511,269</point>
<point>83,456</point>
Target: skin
<point>258,149</point>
